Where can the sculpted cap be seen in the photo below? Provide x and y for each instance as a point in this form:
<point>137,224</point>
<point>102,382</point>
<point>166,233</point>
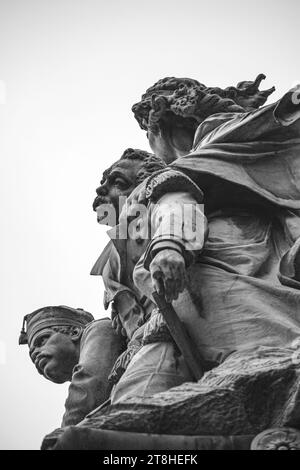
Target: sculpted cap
<point>48,317</point>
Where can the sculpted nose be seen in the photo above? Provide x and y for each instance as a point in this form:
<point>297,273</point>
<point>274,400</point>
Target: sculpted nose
<point>101,190</point>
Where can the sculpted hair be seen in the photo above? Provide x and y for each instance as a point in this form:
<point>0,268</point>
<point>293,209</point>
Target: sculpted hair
<point>190,101</point>
<point>151,163</point>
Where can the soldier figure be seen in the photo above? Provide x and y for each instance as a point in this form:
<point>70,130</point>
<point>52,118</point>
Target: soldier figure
<point>67,344</point>
<point>158,259</point>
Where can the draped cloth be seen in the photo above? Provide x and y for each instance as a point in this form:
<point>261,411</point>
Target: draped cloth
<point>243,293</point>
<point>259,150</point>
<point>244,288</point>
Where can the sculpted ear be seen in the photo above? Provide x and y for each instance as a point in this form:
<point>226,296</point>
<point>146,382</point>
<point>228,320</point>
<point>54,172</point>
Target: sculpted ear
<point>76,333</point>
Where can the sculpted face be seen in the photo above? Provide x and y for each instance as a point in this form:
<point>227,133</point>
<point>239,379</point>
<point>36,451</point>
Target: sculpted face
<point>172,141</point>
<point>119,183</point>
<point>172,109</point>
<point>55,354</point>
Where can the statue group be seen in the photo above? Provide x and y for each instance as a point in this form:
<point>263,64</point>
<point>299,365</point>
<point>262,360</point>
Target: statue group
<point>202,277</point>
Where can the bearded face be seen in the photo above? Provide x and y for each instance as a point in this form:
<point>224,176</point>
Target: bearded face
<point>116,185</point>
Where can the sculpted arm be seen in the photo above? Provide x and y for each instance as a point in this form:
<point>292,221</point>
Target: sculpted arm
<point>89,386</point>
<point>179,229</point>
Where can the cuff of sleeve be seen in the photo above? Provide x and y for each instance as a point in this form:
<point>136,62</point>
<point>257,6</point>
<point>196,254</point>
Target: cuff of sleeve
<point>160,245</point>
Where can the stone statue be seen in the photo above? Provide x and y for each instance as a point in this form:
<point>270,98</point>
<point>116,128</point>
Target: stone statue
<point>151,359</point>
<point>246,161</point>
<point>241,299</point>
<point>67,344</point>
<point>173,108</point>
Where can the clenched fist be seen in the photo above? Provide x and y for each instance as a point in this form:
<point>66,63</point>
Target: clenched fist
<point>168,274</point>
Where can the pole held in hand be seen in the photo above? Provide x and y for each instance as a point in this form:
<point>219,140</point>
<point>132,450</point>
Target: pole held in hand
<point>179,334</point>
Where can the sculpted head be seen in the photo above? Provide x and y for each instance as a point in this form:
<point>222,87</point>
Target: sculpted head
<point>53,335</point>
<point>120,179</point>
<point>172,109</point>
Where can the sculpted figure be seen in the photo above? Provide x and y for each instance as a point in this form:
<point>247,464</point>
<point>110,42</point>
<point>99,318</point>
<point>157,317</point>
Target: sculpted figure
<point>154,362</point>
<point>67,344</point>
<point>246,161</point>
<point>241,298</point>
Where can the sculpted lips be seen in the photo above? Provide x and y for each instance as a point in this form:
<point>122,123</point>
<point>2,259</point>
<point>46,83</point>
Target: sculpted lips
<point>41,362</point>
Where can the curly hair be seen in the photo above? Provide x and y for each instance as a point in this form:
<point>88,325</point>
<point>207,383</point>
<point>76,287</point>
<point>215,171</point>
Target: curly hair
<point>151,163</point>
<point>190,101</point>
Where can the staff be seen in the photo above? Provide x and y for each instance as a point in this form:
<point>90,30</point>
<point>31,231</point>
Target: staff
<point>180,336</point>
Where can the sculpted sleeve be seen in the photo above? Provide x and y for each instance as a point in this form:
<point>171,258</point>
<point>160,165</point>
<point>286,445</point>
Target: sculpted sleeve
<point>177,217</point>
<point>89,388</point>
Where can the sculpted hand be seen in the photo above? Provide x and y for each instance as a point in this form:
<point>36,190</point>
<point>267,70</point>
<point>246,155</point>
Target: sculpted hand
<point>168,274</point>
<point>116,322</point>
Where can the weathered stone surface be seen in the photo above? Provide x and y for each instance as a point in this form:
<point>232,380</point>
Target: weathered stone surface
<point>248,393</point>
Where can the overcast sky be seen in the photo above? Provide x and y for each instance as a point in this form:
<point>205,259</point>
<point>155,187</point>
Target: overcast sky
<point>70,71</point>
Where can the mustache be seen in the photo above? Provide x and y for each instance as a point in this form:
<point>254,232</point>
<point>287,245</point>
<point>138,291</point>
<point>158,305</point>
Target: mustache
<point>98,201</point>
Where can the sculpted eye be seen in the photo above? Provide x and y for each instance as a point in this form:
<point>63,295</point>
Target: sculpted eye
<point>121,183</point>
<point>41,340</point>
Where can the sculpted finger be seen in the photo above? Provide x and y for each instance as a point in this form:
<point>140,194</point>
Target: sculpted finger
<point>114,322</point>
<point>182,283</point>
<point>158,285</point>
<point>184,279</point>
<point>177,281</point>
<point>169,284</point>
<point>181,277</point>
<point>120,329</point>
<point>114,310</point>
<point>177,289</point>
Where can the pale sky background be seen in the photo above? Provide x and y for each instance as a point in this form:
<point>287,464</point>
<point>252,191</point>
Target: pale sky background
<point>71,70</point>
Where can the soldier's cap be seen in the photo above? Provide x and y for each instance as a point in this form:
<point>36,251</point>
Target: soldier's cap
<point>47,317</point>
